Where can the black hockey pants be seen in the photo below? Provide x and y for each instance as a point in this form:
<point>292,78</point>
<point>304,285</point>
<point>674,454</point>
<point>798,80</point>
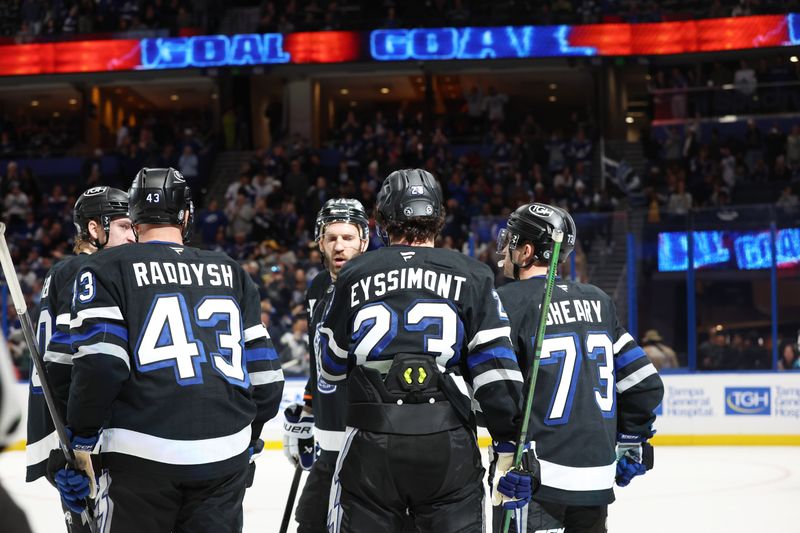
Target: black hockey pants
<point>139,503</point>
<point>546,517</point>
<point>436,477</point>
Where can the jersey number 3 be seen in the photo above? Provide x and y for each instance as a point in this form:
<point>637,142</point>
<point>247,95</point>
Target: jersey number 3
<point>168,340</point>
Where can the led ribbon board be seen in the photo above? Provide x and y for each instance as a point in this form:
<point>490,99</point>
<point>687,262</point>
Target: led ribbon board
<point>421,44</point>
<point>745,250</point>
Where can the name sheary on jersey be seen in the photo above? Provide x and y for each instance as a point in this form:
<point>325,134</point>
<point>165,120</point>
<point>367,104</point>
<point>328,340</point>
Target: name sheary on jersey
<point>445,285</point>
<point>568,311</point>
<point>199,274</point>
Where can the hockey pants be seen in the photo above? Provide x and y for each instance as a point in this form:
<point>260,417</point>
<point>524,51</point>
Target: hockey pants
<point>381,477</point>
<point>137,504</point>
<point>546,517</point>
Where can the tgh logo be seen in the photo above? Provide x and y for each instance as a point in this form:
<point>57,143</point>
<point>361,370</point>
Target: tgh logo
<point>747,400</point>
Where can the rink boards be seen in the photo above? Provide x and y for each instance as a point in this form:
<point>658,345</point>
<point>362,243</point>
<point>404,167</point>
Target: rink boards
<point>746,408</point>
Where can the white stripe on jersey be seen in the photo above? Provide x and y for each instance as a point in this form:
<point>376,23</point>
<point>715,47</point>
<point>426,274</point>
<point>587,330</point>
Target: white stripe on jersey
<point>36,452</point>
<point>254,332</point>
<point>488,335</point>
<point>334,508</point>
<point>636,378</point>
<point>621,342</point>
<point>104,348</point>
<point>57,357</point>
<point>578,478</point>
<point>499,374</point>
<point>62,319</point>
<point>330,441</point>
<point>265,376</point>
<point>176,452</point>
<point>112,312</point>
<point>338,352</point>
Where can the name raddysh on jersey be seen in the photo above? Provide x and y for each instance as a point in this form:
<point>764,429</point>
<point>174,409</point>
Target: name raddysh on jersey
<point>197,274</point>
<point>445,285</point>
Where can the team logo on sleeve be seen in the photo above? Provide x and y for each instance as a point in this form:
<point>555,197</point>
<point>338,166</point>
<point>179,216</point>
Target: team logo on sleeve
<point>324,387</point>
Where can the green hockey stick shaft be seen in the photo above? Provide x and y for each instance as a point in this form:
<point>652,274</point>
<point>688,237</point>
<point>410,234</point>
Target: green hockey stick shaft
<point>558,237</point>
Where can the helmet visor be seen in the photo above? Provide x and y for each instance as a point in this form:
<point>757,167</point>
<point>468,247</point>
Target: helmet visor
<point>503,240</point>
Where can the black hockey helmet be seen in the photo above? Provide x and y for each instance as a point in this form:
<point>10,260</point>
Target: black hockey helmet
<point>534,223</point>
<point>347,210</point>
<point>101,204</point>
<point>161,196</point>
<point>409,194</point>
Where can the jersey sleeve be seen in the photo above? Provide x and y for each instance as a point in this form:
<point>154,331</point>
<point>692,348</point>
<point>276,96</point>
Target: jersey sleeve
<point>639,387</point>
<point>333,343</point>
<point>261,360</point>
<point>491,366</point>
<point>58,349</point>
<point>99,336</point>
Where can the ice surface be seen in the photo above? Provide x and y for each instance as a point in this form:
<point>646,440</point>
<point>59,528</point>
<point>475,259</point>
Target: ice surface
<point>692,489</point>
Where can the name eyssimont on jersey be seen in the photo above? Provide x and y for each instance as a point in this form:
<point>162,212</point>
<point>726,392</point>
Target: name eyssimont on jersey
<point>445,285</point>
<point>196,274</point>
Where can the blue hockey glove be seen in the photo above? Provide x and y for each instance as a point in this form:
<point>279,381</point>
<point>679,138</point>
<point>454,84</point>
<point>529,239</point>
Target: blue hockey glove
<point>76,484</point>
<point>73,485</point>
<point>634,458</point>
<point>298,436</point>
<point>511,488</point>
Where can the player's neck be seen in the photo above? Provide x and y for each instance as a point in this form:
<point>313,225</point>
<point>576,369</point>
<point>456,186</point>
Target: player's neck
<point>155,232</point>
<point>403,242</point>
<point>532,272</point>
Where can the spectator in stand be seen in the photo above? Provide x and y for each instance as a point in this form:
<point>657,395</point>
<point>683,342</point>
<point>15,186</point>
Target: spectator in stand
<point>210,221</point>
<point>17,205</point>
<point>788,359</point>
<point>474,103</point>
<point>680,202</point>
<point>678,99</point>
<point>712,354</point>
<point>494,104</point>
<point>661,355</point>
<point>189,164</point>
<point>787,198</point>
<point>744,79</point>
<point>241,215</point>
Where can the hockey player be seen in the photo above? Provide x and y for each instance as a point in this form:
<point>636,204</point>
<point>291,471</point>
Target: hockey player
<point>101,220</point>
<point>402,322</point>
<point>342,233</point>
<point>595,390</point>
<point>173,373</point>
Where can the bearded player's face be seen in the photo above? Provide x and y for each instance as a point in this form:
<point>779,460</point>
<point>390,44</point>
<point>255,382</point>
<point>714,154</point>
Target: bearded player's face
<point>340,243</point>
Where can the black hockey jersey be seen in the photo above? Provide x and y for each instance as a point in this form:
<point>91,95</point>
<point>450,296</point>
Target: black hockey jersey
<point>594,382</point>
<point>328,400</point>
<point>171,357</point>
<point>52,334</point>
<point>420,300</point>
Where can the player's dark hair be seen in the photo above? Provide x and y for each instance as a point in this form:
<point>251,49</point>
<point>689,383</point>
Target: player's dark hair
<point>418,229</point>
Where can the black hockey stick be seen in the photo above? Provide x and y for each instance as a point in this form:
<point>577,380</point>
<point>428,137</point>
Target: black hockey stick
<point>287,513</point>
<point>557,237</point>
<point>27,330</point>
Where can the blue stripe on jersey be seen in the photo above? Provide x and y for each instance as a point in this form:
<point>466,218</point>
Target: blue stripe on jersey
<point>101,328</point>
<point>629,357</point>
<point>59,337</point>
<point>329,363</point>
<point>260,354</point>
<point>495,353</point>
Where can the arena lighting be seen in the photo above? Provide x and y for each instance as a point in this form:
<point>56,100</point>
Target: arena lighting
<point>553,86</point>
<point>344,92</point>
<point>751,250</point>
<point>385,90</point>
<point>629,120</point>
<point>173,97</point>
<point>793,59</point>
<point>34,103</point>
<point>73,101</point>
<point>552,98</point>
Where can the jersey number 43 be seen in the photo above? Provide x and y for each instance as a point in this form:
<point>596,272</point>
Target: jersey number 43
<point>168,339</point>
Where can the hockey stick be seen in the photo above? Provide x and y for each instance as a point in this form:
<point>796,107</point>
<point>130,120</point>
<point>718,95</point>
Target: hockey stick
<point>27,330</point>
<point>557,237</point>
<point>287,513</point>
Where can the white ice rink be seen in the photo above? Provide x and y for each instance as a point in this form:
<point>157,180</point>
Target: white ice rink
<point>692,490</point>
